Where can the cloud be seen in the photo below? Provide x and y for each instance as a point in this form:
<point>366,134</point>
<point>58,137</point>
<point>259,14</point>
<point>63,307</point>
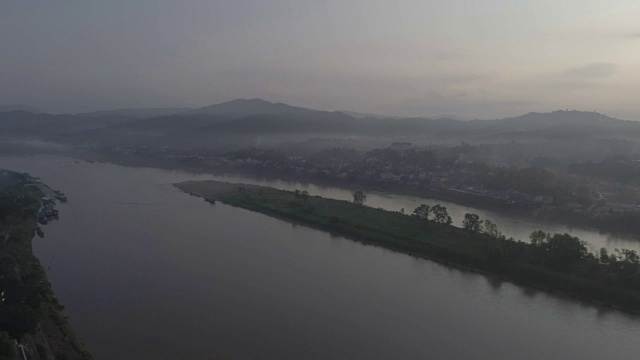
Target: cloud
<point>635,36</point>
<point>594,70</point>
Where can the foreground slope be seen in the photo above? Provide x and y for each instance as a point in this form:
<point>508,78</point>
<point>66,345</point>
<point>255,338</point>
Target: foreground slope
<point>29,312</point>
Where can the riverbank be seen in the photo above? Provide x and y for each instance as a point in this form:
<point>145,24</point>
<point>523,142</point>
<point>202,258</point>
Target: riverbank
<point>30,312</point>
<point>585,276</point>
<point>615,226</point>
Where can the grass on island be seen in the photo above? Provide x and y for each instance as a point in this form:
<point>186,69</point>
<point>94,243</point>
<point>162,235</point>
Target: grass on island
<point>558,263</point>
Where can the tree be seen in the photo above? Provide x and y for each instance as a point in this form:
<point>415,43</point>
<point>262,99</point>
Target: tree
<point>471,223</point>
<point>7,346</point>
<point>63,355</point>
<point>538,238</point>
<point>359,197</point>
<point>564,250</point>
<point>18,319</point>
<point>628,261</point>
<point>491,229</point>
<point>440,214</point>
<point>304,194</point>
<point>604,256</point>
<point>626,255</point>
<point>8,206</point>
<point>422,212</point>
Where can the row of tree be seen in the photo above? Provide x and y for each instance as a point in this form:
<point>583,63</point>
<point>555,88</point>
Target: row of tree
<point>471,222</point>
<point>436,213</point>
<point>474,224</point>
<point>557,251</point>
<point>560,252</point>
<point>563,253</point>
<point>304,194</point>
<point>559,261</point>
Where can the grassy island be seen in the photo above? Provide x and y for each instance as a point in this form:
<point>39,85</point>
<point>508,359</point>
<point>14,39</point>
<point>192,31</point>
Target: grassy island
<point>559,263</point>
<point>30,314</point>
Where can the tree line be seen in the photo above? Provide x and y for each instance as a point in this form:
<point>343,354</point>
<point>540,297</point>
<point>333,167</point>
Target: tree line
<point>559,261</point>
<point>558,252</point>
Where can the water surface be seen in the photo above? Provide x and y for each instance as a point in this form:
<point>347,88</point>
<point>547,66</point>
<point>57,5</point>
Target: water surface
<point>148,272</point>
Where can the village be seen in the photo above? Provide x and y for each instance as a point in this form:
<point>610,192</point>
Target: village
<point>47,211</point>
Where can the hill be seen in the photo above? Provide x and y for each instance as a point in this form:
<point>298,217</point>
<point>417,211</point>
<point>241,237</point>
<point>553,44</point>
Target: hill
<point>19,107</point>
<point>248,107</point>
<point>137,113</point>
<point>22,124</point>
<point>255,122</point>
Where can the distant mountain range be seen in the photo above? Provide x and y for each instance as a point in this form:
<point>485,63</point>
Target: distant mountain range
<point>237,108</point>
<point>19,107</point>
<point>23,124</point>
<point>244,107</point>
<point>244,122</point>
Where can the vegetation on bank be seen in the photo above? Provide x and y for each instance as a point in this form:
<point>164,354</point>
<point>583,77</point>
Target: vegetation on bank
<point>558,262</point>
<point>617,224</point>
<point>28,305</point>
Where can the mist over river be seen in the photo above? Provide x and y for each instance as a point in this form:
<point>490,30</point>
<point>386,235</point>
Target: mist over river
<point>148,272</point>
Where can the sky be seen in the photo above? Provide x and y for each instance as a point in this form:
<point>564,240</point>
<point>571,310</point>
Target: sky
<point>473,59</point>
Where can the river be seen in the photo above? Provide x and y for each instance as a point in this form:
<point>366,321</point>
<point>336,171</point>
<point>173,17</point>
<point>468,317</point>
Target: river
<point>148,272</point>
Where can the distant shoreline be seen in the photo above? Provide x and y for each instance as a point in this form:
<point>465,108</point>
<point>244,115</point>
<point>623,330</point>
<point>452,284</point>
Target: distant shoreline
<point>523,213</point>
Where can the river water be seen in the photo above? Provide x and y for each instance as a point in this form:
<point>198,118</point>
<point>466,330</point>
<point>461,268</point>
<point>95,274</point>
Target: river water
<point>148,272</point>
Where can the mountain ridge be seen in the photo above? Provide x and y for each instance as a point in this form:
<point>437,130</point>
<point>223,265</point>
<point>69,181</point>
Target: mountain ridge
<point>251,119</point>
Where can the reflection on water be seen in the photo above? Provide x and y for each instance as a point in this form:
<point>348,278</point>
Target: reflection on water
<point>148,272</point>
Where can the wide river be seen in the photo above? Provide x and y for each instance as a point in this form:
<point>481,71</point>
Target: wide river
<point>148,272</point>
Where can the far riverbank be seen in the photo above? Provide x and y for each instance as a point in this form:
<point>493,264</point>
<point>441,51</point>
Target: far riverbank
<point>539,214</point>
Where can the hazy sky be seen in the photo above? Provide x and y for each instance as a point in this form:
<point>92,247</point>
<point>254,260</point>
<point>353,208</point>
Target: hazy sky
<point>476,59</point>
